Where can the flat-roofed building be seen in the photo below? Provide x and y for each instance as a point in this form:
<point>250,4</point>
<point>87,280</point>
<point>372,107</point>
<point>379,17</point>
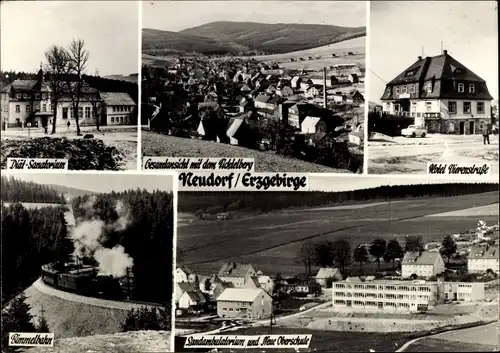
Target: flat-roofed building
<point>401,296</point>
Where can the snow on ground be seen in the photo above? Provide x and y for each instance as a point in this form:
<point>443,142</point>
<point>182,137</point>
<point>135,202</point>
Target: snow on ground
<point>488,210</point>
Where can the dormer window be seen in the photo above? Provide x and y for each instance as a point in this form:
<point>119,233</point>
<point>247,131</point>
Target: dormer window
<point>409,73</point>
<point>397,90</point>
<point>405,89</point>
<point>18,95</point>
<point>459,71</point>
<point>25,96</point>
<point>428,87</point>
<point>460,88</point>
<point>412,88</point>
<point>472,88</point>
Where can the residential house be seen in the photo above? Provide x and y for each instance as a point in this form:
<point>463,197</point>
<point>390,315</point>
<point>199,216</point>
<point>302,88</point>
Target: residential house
<point>296,82</point>
<point>265,282</point>
<point>305,84</point>
<point>441,94</point>
<point>483,258</point>
<point>285,91</point>
<point>298,112</point>
<point>181,288</point>
<point>346,69</point>
<point>212,287</point>
<point>118,107</point>
<point>353,78</point>
<point>252,282</point>
<point>236,273</point>
<point>357,136</point>
<point>328,272</point>
<point>192,300</point>
<point>356,97</point>
<point>422,264</point>
<point>313,91</point>
<point>459,291</point>
<point>185,274</point>
<point>243,303</point>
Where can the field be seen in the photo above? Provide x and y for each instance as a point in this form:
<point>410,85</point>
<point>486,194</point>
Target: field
<point>236,37</point>
<point>271,241</point>
<point>154,144</point>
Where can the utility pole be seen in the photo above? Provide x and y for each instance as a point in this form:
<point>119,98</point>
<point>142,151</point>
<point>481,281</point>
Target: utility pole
<point>324,88</point>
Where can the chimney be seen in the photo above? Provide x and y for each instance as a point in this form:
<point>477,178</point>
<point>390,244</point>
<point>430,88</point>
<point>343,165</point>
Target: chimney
<point>324,88</point>
<point>445,52</point>
<point>419,58</point>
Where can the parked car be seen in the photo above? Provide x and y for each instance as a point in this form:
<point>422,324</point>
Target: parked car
<point>414,131</point>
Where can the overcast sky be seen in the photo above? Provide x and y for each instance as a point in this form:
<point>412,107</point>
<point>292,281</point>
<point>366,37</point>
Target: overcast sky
<point>179,15</point>
<point>341,183</point>
<point>399,29</point>
<point>98,182</point>
<point>109,29</point>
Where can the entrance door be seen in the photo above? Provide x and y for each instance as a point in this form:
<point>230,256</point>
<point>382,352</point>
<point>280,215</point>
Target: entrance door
<point>348,303</point>
<point>471,128</point>
<point>462,128</point>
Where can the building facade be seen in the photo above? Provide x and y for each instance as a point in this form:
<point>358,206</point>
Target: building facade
<point>30,101</point>
<point>442,95</point>
<point>242,303</point>
<point>236,273</point>
<point>484,258</point>
<point>402,296</point>
<point>424,264</point>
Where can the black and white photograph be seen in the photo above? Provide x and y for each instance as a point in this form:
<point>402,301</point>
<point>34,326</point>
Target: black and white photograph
<point>278,81</point>
<point>368,266</point>
<point>69,82</point>
<point>433,86</point>
<point>88,257</point>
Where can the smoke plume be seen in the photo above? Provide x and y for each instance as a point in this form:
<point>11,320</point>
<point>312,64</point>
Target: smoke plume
<point>88,237</point>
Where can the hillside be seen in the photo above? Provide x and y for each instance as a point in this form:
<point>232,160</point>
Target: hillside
<point>226,37</point>
<point>73,192</point>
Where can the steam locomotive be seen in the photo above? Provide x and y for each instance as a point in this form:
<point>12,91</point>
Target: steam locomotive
<point>83,280</point>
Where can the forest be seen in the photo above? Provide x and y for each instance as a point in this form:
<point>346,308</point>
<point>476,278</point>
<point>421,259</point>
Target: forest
<point>16,190</point>
<point>231,201</point>
<point>147,238</point>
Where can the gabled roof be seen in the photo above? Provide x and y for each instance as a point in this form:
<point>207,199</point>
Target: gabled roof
<point>327,272</point>
<point>252,282</point>
<point>24,85</point>
<point>186,270</point>
<point>484,252</point>
<point>424,258</point>
<point>234,269</point>
<point>116,98</point>
<point>234,125</point>
<point>247,295</point>
<point>196,296</point>
<point>263,98</point>
<point>184,287</point>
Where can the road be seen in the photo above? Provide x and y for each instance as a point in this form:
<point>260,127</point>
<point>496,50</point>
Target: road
<point>406,155</point>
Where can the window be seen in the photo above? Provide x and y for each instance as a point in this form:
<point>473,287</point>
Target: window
<point>112,119</point>
<point>25,96</point>
<point>50,107</point>
<point>44,95</point>
<point>412,88</point>
<point>37,95</point>
<point>472,88</point>
<point>114,108</point>
<point>44,107</point>
<point>18,108</point>
<point>480,107</point>
<point>397,90</point>
<point>460,88</point>
<point>87,112</point>
<point>18,95</point>
<point>428,87</point>
<point>452,107</point>
<point>405,89</point>
<point>80,112</point>
<point>428,106</point>
<point>71,112</point>
<point>466,107</point>
<point>28,109</point>
<point>65,112</point>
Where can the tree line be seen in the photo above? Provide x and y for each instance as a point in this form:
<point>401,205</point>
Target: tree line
<point>340,254</point>
<point>16,190</point>
<point>30,238</point>
<point>233,201</point>
<point>148,238</point>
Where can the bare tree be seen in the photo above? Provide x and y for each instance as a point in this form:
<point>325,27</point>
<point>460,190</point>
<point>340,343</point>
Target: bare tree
<point>56,67</point>
<point>78,57</point>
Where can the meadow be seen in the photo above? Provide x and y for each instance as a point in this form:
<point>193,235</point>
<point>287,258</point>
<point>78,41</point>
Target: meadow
<point>271,241</point>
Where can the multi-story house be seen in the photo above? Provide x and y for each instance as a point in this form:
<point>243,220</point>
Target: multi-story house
<point>441,94</point>
<point>422,264</point>
<point>244,303</point>
<point>236,273</point>
<point>484,258</point>
<point>30,101</point>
